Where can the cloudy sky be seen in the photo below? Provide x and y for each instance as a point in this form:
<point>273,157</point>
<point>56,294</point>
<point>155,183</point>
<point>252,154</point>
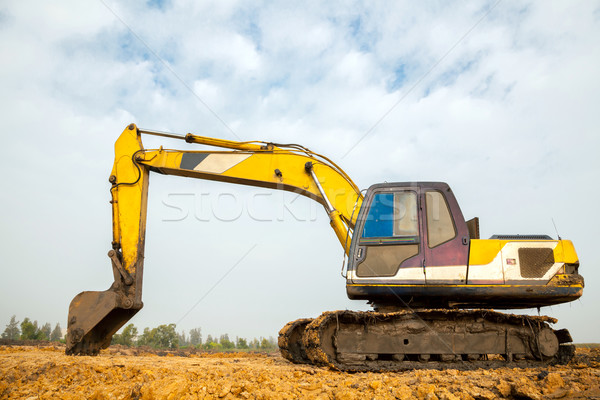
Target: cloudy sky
<point>499,99</point>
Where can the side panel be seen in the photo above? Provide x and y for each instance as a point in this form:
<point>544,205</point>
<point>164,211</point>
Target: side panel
<point>517,262</point>
<point>485,262</point>
<point>529,261</point>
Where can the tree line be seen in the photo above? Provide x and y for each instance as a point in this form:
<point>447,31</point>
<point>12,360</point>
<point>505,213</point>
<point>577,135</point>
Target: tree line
<point>161,337</point>
<point>166,337</point>
<point>28,330</point>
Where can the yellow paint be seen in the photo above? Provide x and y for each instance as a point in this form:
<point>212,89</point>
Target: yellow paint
<point>257,168</point>
<point>564,252</point>
<point>483,251</point>
<point>227,144</point>
<point>254,164</point>
<point>248,163</point>
<point>129,199</point>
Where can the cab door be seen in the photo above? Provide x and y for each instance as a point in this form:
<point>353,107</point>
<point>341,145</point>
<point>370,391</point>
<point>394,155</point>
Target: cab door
<point>445,236</point>
<point>388,247</point>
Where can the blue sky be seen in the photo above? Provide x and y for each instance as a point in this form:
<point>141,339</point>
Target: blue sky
<point>499,99</point>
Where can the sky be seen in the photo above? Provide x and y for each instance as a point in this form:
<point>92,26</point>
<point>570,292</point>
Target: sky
<point>498,98</point>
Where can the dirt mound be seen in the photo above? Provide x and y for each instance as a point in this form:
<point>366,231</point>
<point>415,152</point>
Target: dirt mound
<point>28,372</point>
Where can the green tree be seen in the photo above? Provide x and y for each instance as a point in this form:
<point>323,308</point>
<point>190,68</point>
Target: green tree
<point>56,334</point>
<point>29,330</point>
<point>12,330</point>
<point>166,337</point>
<point>195,337</point>
<point>46,331</point>
<point>211,344</point>
<point>241,343</point>
<point>129,335</point>
<point>267,344</point>
<point>264,344</point>
<point>144,339</point>
<point>182,339</point>
<point>161,337</point>
<point>116,339</point>
<point>126,337</point>
<point>254,344</point>
<point>225,342</point>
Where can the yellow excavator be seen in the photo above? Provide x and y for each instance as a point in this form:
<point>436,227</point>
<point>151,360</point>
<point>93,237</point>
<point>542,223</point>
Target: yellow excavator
<point>432,282</point>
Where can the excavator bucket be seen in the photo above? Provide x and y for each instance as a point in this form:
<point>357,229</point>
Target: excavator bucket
<point>94,317</point>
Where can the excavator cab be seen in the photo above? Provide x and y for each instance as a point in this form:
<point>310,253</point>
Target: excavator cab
<point>406,227</point>
<point>413,248</point>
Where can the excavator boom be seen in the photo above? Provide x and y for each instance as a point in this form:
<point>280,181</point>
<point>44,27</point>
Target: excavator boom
<point>95,316</point>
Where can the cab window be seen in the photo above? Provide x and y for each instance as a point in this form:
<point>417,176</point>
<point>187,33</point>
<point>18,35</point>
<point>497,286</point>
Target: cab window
<point>440,227</point>
<point>392,215</point>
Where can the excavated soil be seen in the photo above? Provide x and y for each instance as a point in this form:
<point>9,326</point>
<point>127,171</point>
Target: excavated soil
<point>35,372</point>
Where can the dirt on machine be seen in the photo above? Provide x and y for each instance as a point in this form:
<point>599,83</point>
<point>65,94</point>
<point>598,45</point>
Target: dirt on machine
<point>434,338</point>
<point>433,283</point>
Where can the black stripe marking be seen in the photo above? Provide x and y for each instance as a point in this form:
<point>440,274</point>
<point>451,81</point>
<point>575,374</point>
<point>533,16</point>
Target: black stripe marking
<point>190,161</point>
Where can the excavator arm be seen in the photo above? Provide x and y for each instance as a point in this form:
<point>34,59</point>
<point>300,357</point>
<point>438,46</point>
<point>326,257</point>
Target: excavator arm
<point>94,317</point>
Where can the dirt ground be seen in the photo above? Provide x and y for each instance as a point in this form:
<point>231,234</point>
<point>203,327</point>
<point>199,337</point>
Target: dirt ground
<point>33,372</point>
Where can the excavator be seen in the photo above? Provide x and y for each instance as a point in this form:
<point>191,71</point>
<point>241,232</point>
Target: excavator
<point>432,282</point>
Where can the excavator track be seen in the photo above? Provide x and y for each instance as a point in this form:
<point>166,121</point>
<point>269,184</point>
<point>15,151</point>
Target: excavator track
<point>459,339</point>
<point>290,341</point>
